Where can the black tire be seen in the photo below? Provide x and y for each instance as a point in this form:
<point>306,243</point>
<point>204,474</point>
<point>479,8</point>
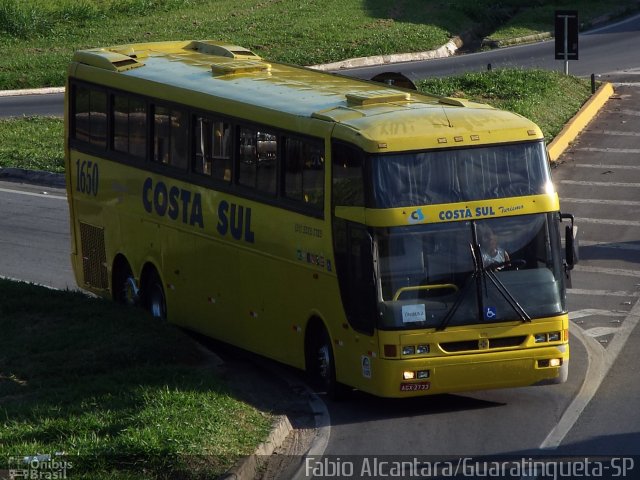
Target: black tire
<point>154,299</point>
<point>323,368</point>
<point>125,290</point>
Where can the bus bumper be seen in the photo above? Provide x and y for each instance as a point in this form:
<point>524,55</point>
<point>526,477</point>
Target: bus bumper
<point>459,373</point>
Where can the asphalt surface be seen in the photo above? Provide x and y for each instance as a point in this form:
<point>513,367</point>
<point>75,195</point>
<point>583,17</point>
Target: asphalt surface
<point>598,180</point>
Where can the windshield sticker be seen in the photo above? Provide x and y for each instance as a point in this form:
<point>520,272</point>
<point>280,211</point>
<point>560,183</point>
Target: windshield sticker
<point>462,213</point>
<point>490,313</point>
<point>416,216</point>
<point>514,208</point>
<point>413,313</point>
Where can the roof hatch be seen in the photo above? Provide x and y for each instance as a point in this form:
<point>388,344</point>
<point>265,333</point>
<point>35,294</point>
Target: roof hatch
<point>107,60</point>
<point>372,97</point>
<point>239,66</point>
<point>222,49</point>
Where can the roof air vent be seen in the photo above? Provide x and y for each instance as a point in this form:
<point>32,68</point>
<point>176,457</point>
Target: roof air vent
<point>372,97</point>
<point>239,66</point>
<point>222,49</point>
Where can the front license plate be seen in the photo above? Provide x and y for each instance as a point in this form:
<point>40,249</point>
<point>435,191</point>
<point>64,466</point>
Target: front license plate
<point>414,387</point>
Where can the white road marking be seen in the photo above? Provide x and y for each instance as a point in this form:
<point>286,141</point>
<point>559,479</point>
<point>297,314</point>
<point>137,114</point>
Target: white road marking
<point>590,312</point>
<point>607,293</point>
<point>607,271</point>
<point>599,361</point>
<point>607,150</point>
<point>597,201</point>
<point>610,221</point>
<point>34,194</point>
<point>601,331</point>
<point>600,184</point>
<point>615,132</point>
<point>608,167</point>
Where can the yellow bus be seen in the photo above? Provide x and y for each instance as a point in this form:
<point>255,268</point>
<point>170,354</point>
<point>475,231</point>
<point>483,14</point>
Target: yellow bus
<point>389,241</point>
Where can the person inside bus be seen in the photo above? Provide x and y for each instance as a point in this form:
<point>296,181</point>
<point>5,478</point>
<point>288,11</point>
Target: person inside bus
<point>492,253</point>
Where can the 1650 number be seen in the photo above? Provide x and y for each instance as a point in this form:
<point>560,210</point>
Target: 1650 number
<point>87,177</point>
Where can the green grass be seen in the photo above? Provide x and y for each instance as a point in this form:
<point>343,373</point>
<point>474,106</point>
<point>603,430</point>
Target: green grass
<point>38,37</point>
<point>44,149</point>
<point>549,99</point>
<point>122,395</point>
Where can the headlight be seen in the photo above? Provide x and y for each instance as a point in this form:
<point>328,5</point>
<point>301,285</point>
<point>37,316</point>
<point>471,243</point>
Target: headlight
<point>408,350</point>
<point>422,349</point>
<point>555,337</point>
<point>540,337</point>
<point>422,374</point>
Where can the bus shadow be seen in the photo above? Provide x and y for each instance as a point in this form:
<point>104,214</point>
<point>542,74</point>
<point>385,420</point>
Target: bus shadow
<point>371,408</point>
<point>625,251</point>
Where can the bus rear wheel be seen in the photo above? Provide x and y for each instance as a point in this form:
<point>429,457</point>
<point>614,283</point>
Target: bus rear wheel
<point>125,288</point>
<point>154,299</point>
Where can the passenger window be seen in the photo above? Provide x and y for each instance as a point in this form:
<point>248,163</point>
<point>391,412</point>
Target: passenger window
<point>212,148</point>
<point>90,116</point>
<point>258,159</point>
<point>170,137</point>
<point>129,126</point>
<point>304,172</point>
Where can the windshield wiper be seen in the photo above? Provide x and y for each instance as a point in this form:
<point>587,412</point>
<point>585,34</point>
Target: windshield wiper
<point>479,274</point>
<point>485,273</point>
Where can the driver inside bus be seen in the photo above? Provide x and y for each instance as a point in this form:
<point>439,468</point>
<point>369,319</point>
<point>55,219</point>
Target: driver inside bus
<point>492,253</point>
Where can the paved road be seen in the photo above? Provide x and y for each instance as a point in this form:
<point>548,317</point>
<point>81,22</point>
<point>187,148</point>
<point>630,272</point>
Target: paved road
<point>608,52</point>
<point>34,235</point>
<point>599,181</point>
<point>31,105</point>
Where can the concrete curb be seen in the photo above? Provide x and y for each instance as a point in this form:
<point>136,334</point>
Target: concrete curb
<point>31,91</point>
<point>579,121</point>
<point>247,468</point>
<point>448,49</point>
<point>35,177</point>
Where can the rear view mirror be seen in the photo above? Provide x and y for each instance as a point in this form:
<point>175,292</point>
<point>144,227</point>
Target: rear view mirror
<point>571,241</point>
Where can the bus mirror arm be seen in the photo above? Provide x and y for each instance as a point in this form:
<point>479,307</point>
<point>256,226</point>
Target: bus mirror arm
<point>571,242</point>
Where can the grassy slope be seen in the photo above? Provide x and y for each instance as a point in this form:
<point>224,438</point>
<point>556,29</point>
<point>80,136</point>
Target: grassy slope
<point>37,37</point>
<point>113,388</point>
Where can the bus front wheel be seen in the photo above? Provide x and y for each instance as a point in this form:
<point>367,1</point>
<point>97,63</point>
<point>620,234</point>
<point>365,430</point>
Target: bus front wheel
<point>323,366</point>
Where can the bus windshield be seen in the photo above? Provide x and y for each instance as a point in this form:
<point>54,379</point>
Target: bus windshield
<point>461,273</point>
<point>458,175</point>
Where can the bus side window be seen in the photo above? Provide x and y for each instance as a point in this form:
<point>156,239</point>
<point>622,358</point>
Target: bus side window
<point>169,137</point>
<point>258,159</point>
<point>221,151</point>
<point>353,248</point>
<point>129,126</point>
<point>304,171</point>
<point>90,116</point>
<point>348,175</point>
<point>212,148</point>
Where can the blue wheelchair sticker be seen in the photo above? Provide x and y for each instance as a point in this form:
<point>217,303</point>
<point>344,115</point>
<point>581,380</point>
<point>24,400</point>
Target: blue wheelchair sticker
<point>490,313</point>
